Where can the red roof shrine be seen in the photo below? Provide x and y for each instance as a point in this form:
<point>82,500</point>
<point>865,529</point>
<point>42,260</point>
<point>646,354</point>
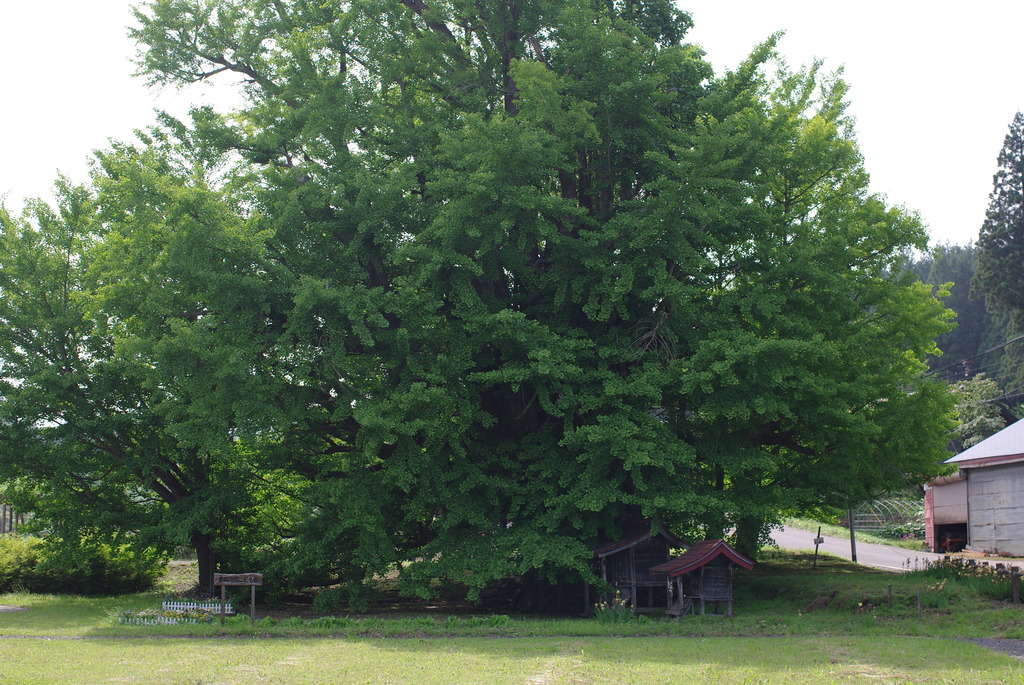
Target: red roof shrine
<point>699,555</point>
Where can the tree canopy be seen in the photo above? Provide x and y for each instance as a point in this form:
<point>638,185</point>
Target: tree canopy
<point>982,341</point>
<point>462,287</point>
<point>952,267</point>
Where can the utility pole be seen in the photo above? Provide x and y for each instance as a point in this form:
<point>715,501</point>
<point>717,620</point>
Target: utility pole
<point>853,540</point>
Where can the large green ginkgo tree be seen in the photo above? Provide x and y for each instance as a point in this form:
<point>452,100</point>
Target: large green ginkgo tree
<point>464,286</point>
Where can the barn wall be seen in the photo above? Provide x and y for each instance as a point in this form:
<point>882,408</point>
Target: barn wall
<point>995,496</point>
<point>949,503</point>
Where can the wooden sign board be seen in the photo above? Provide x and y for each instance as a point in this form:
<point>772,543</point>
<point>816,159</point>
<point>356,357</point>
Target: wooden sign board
<point>250,579</point>
<point>238,579</point>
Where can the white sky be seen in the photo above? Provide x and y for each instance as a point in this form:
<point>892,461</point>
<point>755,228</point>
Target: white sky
<point>934,87</point>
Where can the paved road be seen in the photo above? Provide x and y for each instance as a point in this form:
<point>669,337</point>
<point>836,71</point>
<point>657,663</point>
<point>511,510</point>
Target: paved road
<point>879,556</point>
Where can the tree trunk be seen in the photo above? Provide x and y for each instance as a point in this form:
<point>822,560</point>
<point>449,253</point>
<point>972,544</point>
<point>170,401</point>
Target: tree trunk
<point>202,542</point>
<point>748,534</point>
<point>716,528</point>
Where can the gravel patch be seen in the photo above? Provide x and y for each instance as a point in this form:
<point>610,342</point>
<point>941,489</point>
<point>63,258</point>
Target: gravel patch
<point>1014,648</point>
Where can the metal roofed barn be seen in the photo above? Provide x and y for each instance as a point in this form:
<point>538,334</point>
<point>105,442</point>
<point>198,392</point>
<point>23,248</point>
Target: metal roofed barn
<point>994,470</point>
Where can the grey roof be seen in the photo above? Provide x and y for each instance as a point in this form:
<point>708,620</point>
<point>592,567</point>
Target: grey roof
<point>1007,443</point>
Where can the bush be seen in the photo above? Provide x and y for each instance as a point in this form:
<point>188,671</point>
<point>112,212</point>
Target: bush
<point>909,529</point>
<point>18,558</point>
<point>355,596</point>
<point>982,579</point>
<point>331,622</point>
<point>164,616</point>
<point>615,611</point>
<point>83,567</point>
<point>328,600</point>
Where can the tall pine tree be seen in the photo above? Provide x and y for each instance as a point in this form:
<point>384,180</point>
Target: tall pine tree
<point>1000,274</point>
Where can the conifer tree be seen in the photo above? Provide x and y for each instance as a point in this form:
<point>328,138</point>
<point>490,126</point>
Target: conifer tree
<point>1000,274</point>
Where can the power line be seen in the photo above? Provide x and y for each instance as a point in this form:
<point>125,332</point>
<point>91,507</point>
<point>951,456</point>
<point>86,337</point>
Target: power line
<point>1001,371</point>
<point>980,354</point>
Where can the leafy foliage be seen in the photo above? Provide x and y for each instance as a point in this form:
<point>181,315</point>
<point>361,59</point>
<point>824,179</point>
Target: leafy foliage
<point>952,268</point>
<point>983,579</point>
<point>978,417</point>
<point>164,616</point>
<point>910,529</point>
<point>463,287</point>
<point>93,444</point>
<point>614,610</point>
<point>81,567</point>
<point>978,343</point>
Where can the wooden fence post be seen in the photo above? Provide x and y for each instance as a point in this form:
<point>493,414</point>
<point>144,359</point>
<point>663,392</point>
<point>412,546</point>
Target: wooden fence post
<point>1015,584</point>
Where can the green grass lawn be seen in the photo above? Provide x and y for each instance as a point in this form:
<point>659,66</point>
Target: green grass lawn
<point>526,660</point>
<point>784,631</point>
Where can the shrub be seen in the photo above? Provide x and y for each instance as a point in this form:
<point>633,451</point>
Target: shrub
<point>331,622</point>
<point>414,624</point>
<point>18,558</point>
<point>82,567</point>
<point>356,596</point>
<point>908,529</point>
<point>984,580</point>
<point>615,611</point>
<point>328,600</point>
<point>165,616</point>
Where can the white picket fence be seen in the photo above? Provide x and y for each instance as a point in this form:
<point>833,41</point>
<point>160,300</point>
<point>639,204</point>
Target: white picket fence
<point>179,611</point>
<point>190,605</point>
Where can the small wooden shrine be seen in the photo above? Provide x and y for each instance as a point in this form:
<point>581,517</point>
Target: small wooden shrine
<point>702,573</point>
<point>625,563</point>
